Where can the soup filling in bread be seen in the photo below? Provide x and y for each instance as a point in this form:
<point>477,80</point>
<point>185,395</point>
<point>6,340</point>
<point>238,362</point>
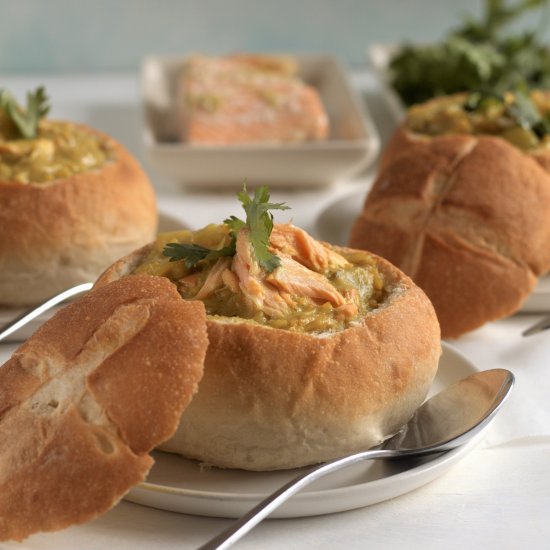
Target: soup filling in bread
<point>521,120</point>
<point>294,282</point>
<point>36,150</point>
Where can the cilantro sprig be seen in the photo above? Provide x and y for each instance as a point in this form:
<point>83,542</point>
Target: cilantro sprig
<point>259,222</point>
<point>26,120</point>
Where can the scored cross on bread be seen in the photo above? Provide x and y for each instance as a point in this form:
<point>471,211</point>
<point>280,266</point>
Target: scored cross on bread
<point>461,203</point>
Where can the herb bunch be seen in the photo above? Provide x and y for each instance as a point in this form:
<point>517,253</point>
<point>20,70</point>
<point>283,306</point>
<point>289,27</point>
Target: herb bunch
<point>259,222</point>
<point>478,54</point>
<point>26,119</point>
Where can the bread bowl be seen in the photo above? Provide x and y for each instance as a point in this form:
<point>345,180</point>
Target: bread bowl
<point>80,409</point>
<point>299,376</point>
<point>72,201</point>
<point>247,99</point>
<point>464,209</point>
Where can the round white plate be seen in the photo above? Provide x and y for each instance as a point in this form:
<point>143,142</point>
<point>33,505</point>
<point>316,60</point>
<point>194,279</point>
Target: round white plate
<point>182,485</point>
<point>166,223</point>
<point>335,222</point>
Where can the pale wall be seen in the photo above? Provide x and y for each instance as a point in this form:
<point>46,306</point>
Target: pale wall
<point>65,35</point>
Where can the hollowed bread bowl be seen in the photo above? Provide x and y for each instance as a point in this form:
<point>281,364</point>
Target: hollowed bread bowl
<point>466,216</point>
<point>59,233</point>
<point>273,398</point>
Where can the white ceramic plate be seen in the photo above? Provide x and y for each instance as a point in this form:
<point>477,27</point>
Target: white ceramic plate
<point>166,223</point>
<point>181,485</point>
<point>335,222</point>
<point>352,145</point>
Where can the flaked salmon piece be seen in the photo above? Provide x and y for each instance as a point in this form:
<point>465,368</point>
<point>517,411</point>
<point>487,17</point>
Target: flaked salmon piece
<point>351,295</point>
<point>230,280</point>
<point>246,268</point>
<point>275,293</point>
<point>346,311</point>
<point>295,279</point>
<point>214,279</point>
<point>228,100</point>
<point>187,283</point>
<point>300,246</point>
<point>259,295</point>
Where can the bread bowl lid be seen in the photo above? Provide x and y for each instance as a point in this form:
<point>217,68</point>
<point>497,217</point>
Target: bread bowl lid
<point>88,396</point>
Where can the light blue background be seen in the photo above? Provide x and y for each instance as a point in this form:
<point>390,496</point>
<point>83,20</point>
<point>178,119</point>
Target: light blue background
<point>65,35</point>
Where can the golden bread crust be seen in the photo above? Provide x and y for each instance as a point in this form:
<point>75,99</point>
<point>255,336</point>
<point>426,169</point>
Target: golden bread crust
<point>274,399</point>
<point>86,398</point>
<point>65,232</point>
<point>467,217</point>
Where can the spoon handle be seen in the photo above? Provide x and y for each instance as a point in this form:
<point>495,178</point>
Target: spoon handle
<point>245,523</point>
<point>28,316</point>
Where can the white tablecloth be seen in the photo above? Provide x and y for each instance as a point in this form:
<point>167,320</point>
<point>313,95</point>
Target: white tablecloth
<point>497,496</point>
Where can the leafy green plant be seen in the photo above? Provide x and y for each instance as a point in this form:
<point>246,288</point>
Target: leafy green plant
<point>478,54</point>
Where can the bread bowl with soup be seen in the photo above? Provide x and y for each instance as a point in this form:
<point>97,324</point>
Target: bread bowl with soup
<point>461,203</point>
<point>314,351</point>
<point>72,201</point>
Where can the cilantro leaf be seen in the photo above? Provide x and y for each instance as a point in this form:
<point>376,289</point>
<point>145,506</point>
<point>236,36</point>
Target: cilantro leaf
<point>235,224</point>
<point>26,120</point>
<point>192,254</point>
<point>260,223</point>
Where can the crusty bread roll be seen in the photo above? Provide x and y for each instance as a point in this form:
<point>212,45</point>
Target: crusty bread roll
<point>273,398</point>
<point>243,98</point>
<point>466,216</point>
<point>88,396</point>
<point>67,231</point>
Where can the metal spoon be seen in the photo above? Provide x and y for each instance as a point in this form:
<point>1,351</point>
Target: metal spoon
<point>26,317</point>
<point>543,324</point>
<point>447,420</point>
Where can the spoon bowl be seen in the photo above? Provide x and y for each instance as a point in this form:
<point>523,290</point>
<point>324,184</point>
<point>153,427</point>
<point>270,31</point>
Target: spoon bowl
<point>447,420</point>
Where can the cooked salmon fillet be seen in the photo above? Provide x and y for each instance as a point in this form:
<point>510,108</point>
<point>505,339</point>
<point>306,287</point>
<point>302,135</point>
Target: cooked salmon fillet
<point>248,99</point>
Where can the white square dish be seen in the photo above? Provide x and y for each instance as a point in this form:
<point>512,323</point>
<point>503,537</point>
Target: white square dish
<point>352,145</point>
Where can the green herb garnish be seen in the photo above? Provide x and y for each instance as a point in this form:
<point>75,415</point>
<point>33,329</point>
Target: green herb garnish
<point>522,110</point>
<point>26,120</point>
<point>192,254</point>
<point>478,54</point>
<point>259,222</point>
